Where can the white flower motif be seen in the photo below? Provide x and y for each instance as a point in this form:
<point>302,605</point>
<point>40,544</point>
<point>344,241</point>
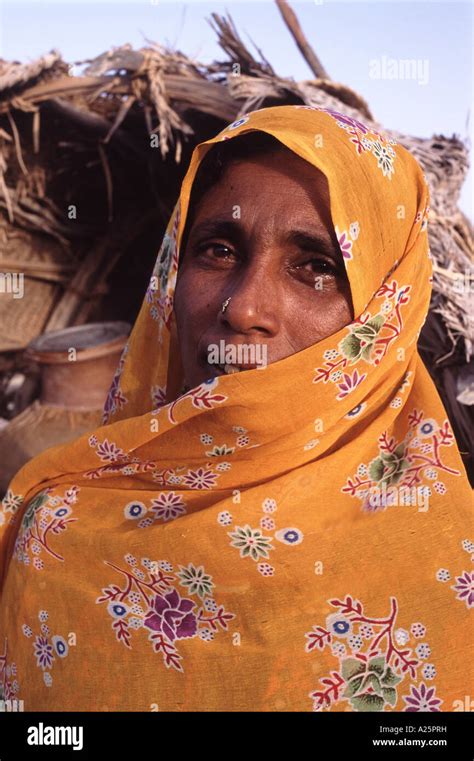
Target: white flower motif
<point>338,649</point>
<point>224,518</point>
<point>418,630</point>
<point>423,650</point>
<point>11,502</point>
<point>401,636</point>
<point>354,230</point>
<point>443,574</point>
<point>134,510</point>
<point>289,535</point>
<point>266,569</point>
<point>269,505</point>
<point>145,522</point>
<point>427,428</point>
<point>355,642</point>
<point>206,634</point>
<point>429,671</point>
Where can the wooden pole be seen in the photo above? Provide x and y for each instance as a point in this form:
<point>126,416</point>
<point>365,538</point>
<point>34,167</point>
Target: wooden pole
<point>306,50</point>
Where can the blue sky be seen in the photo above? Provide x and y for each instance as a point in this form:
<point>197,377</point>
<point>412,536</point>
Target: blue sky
<point>347,36</point>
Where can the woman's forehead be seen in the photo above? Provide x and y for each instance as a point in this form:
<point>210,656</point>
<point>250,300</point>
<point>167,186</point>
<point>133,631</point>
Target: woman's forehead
<point>284,182</point>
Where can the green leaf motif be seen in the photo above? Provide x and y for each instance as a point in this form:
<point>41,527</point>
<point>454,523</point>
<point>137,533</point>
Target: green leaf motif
<point>371,680</point>
<point>352,667</point>
<point>353,686</point>
<point>368,702</point>
<point>390,695</point>
<point>35,504</point>
<point>399,451</point>
<point>377,664</point>
<point>376,469</point>
<point>390,679</point>
<point>350,346</point>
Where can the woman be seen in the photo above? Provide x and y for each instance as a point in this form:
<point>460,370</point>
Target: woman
<point>274,516</point>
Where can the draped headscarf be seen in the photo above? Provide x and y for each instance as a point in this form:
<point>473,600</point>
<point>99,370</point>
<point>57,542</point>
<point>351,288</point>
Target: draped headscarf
<point>292,539</point>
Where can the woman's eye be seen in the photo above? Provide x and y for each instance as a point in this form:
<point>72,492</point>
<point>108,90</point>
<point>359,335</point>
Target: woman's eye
<point>318,266</point>
<point>218,250</point>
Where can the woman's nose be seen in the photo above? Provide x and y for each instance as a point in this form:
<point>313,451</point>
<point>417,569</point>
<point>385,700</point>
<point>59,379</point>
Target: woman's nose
<point>252,304</point>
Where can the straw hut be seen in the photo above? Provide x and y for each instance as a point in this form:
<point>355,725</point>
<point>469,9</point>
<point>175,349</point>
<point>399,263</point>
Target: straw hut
<point>90,168</point>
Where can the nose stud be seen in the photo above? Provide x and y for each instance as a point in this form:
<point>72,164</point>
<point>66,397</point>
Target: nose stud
<point>225,304</point>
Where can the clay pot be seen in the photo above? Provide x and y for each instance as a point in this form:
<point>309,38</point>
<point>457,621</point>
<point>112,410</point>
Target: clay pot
<point>77,366</point>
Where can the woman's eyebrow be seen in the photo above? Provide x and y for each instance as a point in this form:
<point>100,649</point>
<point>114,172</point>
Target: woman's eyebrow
<point>232,228</point>
<point>313,241</point>
<point>216,226</point>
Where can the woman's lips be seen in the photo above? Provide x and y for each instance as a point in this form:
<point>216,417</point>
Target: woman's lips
<point>227,369</point>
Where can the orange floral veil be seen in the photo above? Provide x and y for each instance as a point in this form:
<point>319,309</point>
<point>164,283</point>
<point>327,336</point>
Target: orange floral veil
<point>287,540</point>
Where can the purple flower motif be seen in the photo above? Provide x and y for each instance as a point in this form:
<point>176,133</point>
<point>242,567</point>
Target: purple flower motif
<point>465,588</point>
<point>168,506</point>
<point>158,396</point>
<point>200,479</point>
<point>108,451</point>
<point>43,652</point>
<point>348,120</point>
<point>344,244</point>
<point>172,617</point>
<point>350,383</point>
<point>422,699</point>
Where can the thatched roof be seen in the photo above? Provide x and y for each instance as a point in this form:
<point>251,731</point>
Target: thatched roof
<point>84,141</point>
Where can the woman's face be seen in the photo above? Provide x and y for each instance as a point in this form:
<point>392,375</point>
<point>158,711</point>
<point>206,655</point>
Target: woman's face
<point>263,237</point>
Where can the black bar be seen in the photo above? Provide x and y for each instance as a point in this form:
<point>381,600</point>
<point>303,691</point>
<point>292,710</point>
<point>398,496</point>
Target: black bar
<point>218,735</point>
